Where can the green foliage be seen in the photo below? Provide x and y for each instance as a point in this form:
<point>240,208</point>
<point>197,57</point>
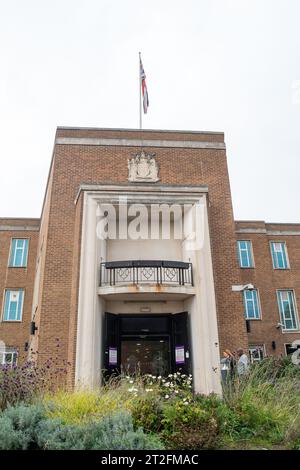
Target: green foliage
<point>27,427</point>
<point>260,410</point>
<point>188,425</point>
<point>147,413</point>
<point>82,406</point>
<point>28,381</point>
<point>18,426</point>
<point>113,432</point>
<point>266,403</point>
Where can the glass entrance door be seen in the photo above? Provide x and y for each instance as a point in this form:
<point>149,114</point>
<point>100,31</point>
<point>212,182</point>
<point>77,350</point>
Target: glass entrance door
<point>145,355</point>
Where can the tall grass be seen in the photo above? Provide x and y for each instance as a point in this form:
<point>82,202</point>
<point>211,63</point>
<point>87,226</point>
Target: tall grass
<point>83,404</point>
<point>267,400</point>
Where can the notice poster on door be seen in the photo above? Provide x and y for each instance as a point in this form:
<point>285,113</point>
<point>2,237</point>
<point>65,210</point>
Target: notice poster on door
<point>113,357</point>
<point>179,355</point>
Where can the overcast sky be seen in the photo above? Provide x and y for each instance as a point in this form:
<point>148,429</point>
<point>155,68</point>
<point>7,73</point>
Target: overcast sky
<point>217,65</point>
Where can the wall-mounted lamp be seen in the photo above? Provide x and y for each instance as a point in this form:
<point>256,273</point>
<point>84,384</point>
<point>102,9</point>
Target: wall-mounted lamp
<point>273,345</point>
<point>33,328</point>
<point>240,288</point>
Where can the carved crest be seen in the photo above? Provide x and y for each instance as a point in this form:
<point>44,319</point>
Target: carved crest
<point>143,168</point>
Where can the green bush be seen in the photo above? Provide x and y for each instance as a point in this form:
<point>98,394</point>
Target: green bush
<point>114,432</point>
<point>147,413</point>
<point>188,425</point>
<point>27,427</point>
<point>266,403</point>
<point>18,426</point>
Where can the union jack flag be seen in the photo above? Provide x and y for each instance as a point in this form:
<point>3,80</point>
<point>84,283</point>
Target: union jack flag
<point>144,87</point>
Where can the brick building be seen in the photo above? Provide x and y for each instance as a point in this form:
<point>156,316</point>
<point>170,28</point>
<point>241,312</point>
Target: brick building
<point>121,296</point>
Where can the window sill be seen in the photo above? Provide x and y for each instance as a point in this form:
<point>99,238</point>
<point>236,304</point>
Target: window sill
<point>290,331</point>
<point>11,321</point>
<point>17,267</point>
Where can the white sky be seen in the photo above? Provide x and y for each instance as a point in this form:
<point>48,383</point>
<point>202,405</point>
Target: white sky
<point>219,65</point>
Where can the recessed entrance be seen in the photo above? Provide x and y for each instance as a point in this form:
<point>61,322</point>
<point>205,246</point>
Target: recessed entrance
<point>145,355</point>
<point>146,344</point>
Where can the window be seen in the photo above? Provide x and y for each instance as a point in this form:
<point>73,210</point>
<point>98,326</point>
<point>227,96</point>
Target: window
<point>8,356</point>
<point>279,255</point>
<point>13,305</point>
<point>290,349</point>
<point>245,254</point>
<point>287,309</point>
<point>256,353</point>
<point>18,253</point>
<point>252,309</point>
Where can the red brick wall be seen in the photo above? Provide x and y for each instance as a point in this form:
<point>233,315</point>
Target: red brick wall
<point>15,334</point>
<point>76,164</point>
<point>267,280</point>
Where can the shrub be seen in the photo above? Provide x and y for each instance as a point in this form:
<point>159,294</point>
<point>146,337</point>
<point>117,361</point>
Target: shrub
<point>114,432</point>
<point>117,433</point>
<point>147,413</point>
<point>82,406</point>
<point>26,382</point>
<point>18,426</point>
<point>27,427</point>
<point>266,402</point>
<point>187,425</point>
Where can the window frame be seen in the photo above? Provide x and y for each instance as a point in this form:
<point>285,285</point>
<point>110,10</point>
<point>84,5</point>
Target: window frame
<point>10,289</point>
<point>252,265</point>
<point>15,354</point>
<point>289,344</point>
<point>258,305</point>
<point>272,242</point>
<point>278,294</point>
<point>13,255</point>
<point>256,346</point>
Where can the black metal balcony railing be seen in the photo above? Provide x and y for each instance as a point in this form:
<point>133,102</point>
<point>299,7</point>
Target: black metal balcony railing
<point>116,273</point>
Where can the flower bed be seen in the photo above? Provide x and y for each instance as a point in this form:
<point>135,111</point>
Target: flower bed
<point>148,412</point>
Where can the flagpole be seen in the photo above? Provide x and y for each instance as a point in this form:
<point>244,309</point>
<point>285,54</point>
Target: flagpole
<point>140,83</point>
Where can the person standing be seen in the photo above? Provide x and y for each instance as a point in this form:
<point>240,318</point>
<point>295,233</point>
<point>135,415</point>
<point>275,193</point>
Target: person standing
<point>242,363</point>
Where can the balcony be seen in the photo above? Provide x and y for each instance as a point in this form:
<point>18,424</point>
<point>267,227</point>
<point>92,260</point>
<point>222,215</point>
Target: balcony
<point>147,277</point>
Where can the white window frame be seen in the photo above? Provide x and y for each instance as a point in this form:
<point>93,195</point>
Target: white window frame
<point>258,304</point>
<point>251,253</point>
<point>3,352</point>
<point>288,344</point>
<point>3,305</point>
<point>23,265</point>
<point>253,347</point>
<point>280,308</point>
<point>285,252</point>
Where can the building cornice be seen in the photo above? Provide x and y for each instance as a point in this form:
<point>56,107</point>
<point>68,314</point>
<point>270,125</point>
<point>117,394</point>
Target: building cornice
<point>191,144</point>
<point>19,228</point>
<point>128,129</point>
<point>268,232</point>
<point>129,189</point>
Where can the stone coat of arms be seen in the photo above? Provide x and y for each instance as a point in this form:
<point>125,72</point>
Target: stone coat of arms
<point>143,168</point>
